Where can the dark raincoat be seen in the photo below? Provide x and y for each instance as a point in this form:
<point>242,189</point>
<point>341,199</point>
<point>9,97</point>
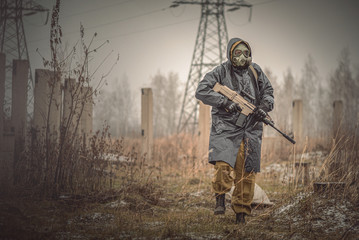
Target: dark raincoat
<point>226,136</point>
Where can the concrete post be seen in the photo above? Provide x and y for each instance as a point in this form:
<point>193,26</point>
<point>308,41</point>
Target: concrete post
<point>297,119</point>
<point>2,96</point>
<point>69,106</point>
<point>147,121</point>
<point>204,124</point>
<point>40,96</point>
<point>19,97</point>
<point>337,116</point>
<point>20,76</point>
<point>46,86</point>
<point>87,114</point>
<point>5,160</point>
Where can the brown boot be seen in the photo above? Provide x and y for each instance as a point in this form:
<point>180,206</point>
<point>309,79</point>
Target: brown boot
<point>241,218</point>
<point>220,204</point>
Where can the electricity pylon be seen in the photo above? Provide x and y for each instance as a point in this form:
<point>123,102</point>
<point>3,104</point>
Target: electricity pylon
<point>13,41</point>
<point>209,51</point>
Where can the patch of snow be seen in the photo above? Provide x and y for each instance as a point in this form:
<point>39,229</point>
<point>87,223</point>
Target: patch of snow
<point>197,194</point>
<point>285,208</point>
<point>116,158</point>
<point>154,224</point>
<point>204,237</point>
<point>274,167</point>
<point>116,204</point>
<point>278,171</point>
<point>335,215</point>
<point>320,155</point>
<point>297,198</point>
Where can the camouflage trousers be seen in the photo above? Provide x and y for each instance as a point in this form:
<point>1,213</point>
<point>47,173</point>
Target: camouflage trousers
<point>224,178</point>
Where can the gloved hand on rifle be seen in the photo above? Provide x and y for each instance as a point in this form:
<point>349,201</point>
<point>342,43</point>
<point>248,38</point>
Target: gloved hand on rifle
<point>230,106</point>
<point>261,112</point>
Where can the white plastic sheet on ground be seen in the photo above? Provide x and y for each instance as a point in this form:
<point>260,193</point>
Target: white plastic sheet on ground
<point>260,197</point>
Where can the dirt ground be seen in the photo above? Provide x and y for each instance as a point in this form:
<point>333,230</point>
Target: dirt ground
<point>174,209</point>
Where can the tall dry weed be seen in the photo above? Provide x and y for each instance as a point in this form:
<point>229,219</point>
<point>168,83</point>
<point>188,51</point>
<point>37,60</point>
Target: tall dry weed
<point>342,166</point>
<point>177,155</point>
<point>66,160</point>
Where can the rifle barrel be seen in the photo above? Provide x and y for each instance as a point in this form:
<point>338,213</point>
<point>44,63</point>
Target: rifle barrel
<point>283,134</point>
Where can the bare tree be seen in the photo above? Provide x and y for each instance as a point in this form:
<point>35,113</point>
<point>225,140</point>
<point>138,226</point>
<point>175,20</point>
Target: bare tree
<point>102,112</point>
<point>324,107</point>
<point>286,100</point>
<point>344,87</point>
<point>275,114</point>
<point>66,162</point>
<point>116,107</point>
<point>166,103</point>
<point>307,91</point>
<point>158,86</point>
<point>171,102</point>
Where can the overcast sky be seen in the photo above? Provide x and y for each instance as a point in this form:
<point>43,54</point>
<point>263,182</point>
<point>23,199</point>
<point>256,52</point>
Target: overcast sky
<point>150,37</point>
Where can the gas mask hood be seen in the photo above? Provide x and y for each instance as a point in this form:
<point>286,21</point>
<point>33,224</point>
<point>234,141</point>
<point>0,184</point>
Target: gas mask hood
<point>239,53</point>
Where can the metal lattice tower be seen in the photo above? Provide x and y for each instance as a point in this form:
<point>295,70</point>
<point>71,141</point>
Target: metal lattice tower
<point>13,41</point>
<point>209,51</point>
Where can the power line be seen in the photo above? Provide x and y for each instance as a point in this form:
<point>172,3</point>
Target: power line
<point>265,2</point>
<point>236,24</point>
<point>140,31</point>
<point>178,15</point>
<point>97,9</point>
<point>108,23</point>
<point>250,14</point>
<point>150,29</point>
<point>128,18</point>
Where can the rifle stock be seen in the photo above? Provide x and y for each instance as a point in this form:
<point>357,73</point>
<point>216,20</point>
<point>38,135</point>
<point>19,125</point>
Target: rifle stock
<point>247,108</point>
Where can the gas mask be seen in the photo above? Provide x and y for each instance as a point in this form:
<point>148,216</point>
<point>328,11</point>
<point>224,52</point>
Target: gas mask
<point>241,56</point>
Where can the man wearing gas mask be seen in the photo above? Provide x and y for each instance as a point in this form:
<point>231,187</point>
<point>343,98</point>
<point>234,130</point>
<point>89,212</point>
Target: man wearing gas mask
<point>235,151</point>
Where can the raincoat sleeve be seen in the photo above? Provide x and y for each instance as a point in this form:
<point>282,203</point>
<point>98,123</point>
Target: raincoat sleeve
<point>265,89</point>
<point>205,92</point>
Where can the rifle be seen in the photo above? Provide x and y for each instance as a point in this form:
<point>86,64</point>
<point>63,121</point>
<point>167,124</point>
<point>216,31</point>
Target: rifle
<point>247,107</point>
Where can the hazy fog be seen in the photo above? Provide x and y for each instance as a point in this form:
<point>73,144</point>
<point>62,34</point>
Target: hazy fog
<point>148,36</point>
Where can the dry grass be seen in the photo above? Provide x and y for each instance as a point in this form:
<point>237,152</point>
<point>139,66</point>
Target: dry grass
<point>168,196</point>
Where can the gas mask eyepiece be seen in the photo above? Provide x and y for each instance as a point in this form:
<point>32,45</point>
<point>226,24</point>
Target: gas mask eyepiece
<point>241,56</point>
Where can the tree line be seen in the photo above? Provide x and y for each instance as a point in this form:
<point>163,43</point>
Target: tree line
<point>318,95</point>
<point>119,109</point>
